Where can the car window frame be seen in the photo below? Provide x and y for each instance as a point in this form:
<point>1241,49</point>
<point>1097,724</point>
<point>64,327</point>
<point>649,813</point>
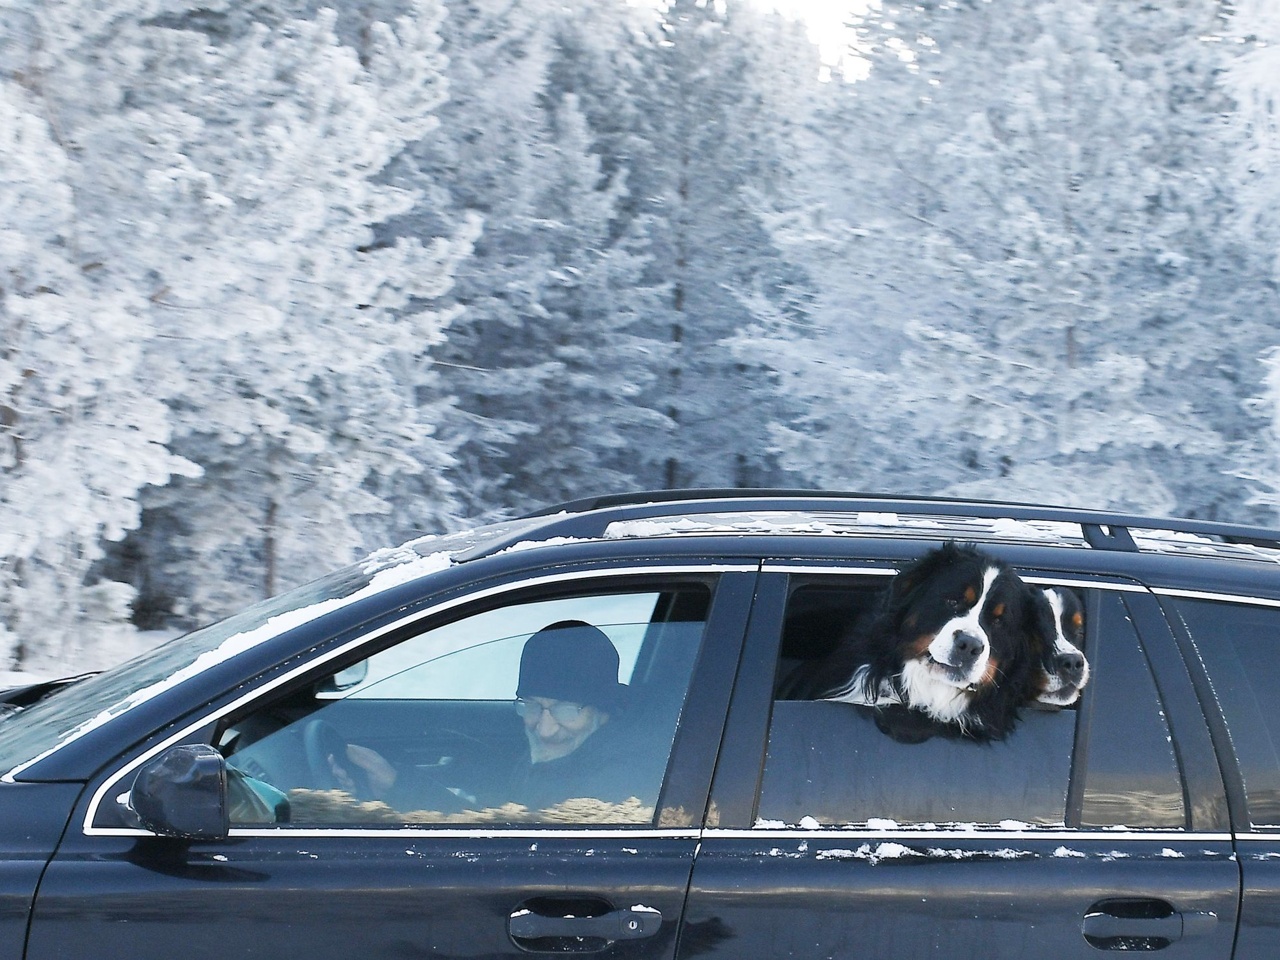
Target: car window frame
<point>732,583</point>
<point>1226,763</point>
<point>738,774</point>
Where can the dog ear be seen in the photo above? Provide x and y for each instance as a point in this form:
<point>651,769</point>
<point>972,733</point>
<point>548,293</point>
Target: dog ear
<point>1073,610</point>
<point>916,572</point>
<point>1038,626</point>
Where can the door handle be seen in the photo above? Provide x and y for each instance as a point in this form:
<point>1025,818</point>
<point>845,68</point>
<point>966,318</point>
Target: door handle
<point>633,923</point>
<point>1141,923</point>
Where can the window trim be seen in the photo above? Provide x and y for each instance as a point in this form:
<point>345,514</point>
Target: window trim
<point>1219,597</point>
<point>790,570</point>
<point>977,831</point>
<point>113,782</point>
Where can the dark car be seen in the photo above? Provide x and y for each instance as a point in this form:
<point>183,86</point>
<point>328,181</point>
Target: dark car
<point>335,772</point>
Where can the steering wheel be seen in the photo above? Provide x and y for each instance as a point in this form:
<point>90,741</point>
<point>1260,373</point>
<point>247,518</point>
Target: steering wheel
<point>325,748</point>
<point>321,741</point>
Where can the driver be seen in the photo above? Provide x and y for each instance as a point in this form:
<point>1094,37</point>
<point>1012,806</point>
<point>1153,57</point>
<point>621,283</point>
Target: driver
<point>567,695</point>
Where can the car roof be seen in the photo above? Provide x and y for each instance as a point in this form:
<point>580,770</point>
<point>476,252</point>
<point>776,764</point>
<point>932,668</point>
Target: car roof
<point>749,512</point>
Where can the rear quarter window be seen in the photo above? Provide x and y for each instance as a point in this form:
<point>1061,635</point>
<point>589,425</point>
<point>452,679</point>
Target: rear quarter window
<point>1239,644</point>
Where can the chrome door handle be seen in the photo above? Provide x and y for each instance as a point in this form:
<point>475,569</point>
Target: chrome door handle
<point>1141,923</point>
<point>634,923</point>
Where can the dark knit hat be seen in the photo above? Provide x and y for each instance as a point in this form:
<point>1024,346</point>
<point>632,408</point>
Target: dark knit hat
<point>574,661</point>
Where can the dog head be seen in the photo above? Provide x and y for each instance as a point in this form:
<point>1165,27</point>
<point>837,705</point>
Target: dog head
<point>1059,619</point>
<point>957,622</point>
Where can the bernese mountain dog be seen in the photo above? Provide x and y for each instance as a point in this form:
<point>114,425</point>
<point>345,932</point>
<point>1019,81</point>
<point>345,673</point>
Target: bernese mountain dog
<point>1064,671</point>
<point>948,654</point>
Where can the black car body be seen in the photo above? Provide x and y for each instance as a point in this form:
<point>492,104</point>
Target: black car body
<point>176,806</point>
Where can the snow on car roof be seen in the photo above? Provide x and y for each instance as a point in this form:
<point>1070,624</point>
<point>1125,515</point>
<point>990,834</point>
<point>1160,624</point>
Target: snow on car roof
<point>936,526</point>
<point>853,524</point>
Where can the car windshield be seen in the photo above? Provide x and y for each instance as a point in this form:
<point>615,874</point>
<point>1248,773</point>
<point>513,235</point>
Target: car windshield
<point>31,734</point>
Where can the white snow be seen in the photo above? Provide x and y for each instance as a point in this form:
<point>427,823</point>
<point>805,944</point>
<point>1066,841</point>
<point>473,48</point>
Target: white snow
<point>881,851</point>
<point>534,544</point>
<point>1003,853</point>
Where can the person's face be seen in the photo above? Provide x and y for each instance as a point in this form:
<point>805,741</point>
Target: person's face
<point>556,728</point>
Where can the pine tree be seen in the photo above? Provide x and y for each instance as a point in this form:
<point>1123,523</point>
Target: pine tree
<point>1253,79</point>
<point>708,161</point>
<point>79,436</point>
<point>542,356</point>
<point>1004,167</point>
<point>230,170</point>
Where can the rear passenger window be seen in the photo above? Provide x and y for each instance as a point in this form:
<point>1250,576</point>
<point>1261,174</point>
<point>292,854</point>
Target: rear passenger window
<point>1240,647</point>
<point>828,763</point>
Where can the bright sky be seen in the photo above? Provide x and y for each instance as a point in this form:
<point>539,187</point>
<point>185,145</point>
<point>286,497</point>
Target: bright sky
<point>825,20</point>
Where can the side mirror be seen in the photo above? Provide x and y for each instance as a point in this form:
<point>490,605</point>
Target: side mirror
<point>344,679</point>
<point>183,793</point>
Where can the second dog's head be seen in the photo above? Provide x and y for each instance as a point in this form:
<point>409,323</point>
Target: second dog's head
<point>1059,623</point>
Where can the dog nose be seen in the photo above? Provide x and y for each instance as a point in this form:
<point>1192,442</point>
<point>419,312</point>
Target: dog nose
<point>1071,667</point>
<point>966,647</point>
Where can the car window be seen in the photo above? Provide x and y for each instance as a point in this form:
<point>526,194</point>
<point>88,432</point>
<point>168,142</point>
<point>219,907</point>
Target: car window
<point>449,663</point>
<point>1238,644</point>
<point>829,763</point>
<point>556,710</point>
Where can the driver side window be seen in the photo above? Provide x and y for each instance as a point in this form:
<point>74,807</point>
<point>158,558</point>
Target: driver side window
<point>555,710</point>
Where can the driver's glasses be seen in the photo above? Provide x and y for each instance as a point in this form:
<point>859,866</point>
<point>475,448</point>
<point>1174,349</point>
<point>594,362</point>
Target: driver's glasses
<point>561,711</point>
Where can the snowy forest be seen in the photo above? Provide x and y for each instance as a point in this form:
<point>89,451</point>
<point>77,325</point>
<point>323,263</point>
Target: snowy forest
<point>282,283</point>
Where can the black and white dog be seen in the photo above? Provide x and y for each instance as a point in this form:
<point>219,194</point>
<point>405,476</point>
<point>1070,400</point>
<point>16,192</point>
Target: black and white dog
<point>1059,624</point>
<point>948,653</point>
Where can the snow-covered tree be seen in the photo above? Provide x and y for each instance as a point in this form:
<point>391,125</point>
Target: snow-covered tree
<point>1016,211</point>
<point>1253,78</point>
<point>709,165</point>
<point>80,436</point>
<point>229,172</point>
<point>543,357</point>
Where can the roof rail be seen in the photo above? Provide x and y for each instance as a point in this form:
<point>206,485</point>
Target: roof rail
<point>589,518</point>
<point>742,493</point>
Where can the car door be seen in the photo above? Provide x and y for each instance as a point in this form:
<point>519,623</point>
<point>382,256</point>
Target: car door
<point>1086,829</point>
<point>461,873</point>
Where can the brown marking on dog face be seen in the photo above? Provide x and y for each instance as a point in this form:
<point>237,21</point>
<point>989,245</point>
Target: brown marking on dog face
<point>921,645</point>
<point>989,675</point>
<point>1077,620</point>
<point>997,611</point>
<point>970,595</point>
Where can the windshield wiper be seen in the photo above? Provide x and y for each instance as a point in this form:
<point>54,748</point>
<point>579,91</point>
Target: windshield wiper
<point>16,699</point>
